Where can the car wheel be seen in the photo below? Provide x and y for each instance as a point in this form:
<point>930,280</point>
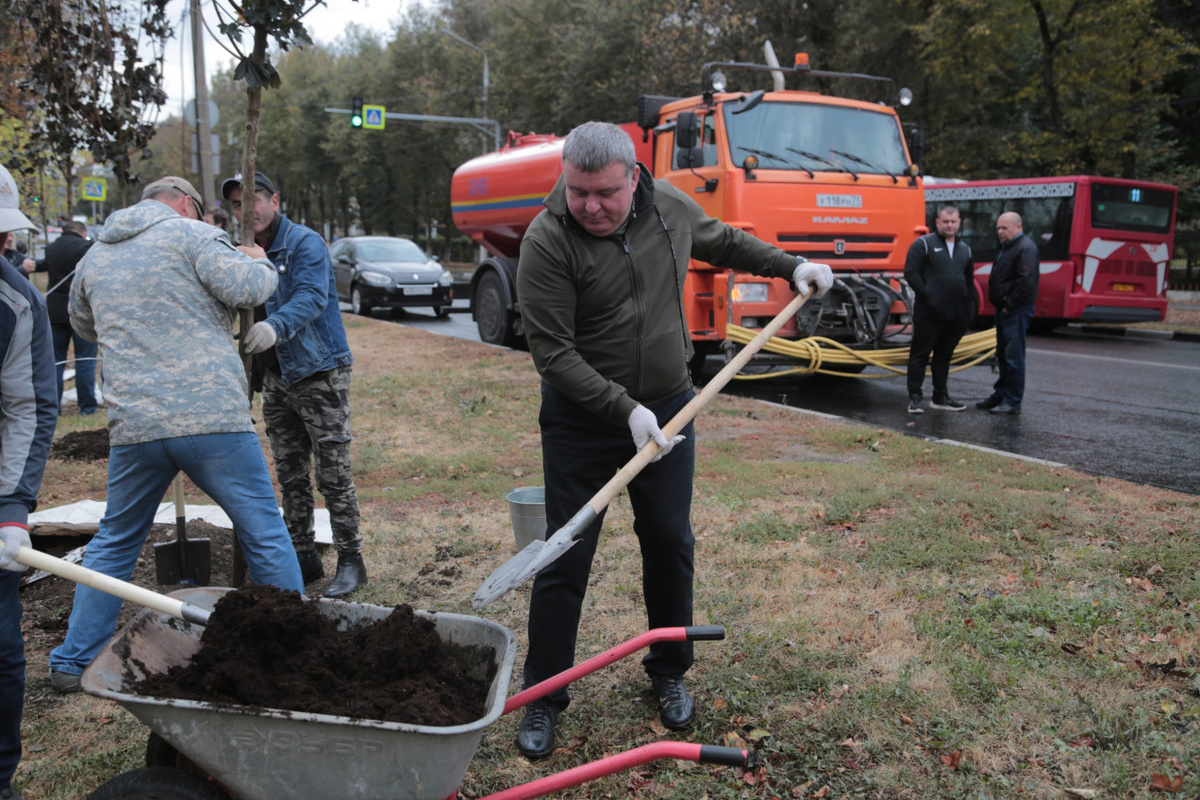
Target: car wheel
<point>492,314</point>
<point>356,303</point>
<point>158,783</point>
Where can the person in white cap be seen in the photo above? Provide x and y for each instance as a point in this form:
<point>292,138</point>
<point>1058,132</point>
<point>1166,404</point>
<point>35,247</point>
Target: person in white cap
<point>29,396</point>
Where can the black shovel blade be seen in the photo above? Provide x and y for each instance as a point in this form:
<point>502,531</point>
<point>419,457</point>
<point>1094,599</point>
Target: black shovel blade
<point>169,558</point>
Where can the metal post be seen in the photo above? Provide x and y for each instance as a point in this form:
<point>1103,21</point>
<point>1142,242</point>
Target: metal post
<point>203,129</point>
<point>453,35</point>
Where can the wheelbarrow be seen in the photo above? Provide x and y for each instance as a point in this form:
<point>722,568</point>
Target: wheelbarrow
<point>208,751</point>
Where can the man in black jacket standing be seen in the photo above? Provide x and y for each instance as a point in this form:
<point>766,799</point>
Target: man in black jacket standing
<point>61,257</point>
<point>941,273</point>
<point>1013,291</point>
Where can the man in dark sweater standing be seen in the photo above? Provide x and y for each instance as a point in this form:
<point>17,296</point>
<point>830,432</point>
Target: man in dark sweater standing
<point>1013,289</point>
<point>941,273</point>
<point>61,257</point>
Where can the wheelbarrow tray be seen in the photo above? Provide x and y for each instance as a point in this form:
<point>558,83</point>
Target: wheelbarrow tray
<point>273,754</point>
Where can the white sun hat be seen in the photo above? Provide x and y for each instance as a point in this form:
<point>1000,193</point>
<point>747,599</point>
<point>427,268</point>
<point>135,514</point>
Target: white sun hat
<point>11,219</point>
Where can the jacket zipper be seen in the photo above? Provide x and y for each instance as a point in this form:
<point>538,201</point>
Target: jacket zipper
<point>635,290</point>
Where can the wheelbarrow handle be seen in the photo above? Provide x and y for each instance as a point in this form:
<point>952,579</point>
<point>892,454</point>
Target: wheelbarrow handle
<point>110,585</point>
<point>595,663</point>
<point>700,753</point>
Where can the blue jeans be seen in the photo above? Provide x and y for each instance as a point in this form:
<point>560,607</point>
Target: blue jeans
<point>228,467</point>
<point>580,454</point>
<point>85,366</point>
<point>12,675</point>
<point>1011,326</point>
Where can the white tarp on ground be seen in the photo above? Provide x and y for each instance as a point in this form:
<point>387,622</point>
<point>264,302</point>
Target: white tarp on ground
<point>84,517</point>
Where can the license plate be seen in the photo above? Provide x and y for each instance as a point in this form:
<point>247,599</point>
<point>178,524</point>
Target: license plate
<point>411,290</point>
<point>1124,287</point>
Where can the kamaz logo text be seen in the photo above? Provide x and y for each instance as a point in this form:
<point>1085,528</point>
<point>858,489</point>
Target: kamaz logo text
<point>840,220</point>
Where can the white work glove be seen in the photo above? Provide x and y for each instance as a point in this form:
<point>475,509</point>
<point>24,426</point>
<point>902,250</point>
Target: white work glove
<point>14,536</point>
<point>811,272</point>
<point>260,337</point>
<point>644,427</point>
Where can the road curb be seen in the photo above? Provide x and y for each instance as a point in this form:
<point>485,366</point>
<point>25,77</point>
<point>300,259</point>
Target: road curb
<point>1152,334</point>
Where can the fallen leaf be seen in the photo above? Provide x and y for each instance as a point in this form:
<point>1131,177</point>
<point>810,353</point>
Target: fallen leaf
<point>1154,570</point>
<point>1161,783</point>
<point>757,735</point>
<point>1070,648</point>
<point>907,720</point>
<point>951,759</point>
<point>824,791</point>
<point>720,704</point>
<point>850,743</point>
<point>1084,793</point>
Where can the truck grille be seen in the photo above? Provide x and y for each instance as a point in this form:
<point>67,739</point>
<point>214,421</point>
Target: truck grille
<point>825,246</point>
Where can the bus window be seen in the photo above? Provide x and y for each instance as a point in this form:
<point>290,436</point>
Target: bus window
<point>1131,208</point>
<point>1047,221</point>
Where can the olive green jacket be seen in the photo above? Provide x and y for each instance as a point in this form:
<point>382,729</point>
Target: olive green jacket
<point>604,315</point>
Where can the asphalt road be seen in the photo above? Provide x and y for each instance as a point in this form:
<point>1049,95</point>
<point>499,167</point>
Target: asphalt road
<point>1119,406</point>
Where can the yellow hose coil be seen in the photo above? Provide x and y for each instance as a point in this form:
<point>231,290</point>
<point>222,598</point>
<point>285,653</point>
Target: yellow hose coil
<point>819,353</point>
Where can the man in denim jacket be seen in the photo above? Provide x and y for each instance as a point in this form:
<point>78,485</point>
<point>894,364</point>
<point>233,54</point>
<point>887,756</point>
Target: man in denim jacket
<point>301,347</point>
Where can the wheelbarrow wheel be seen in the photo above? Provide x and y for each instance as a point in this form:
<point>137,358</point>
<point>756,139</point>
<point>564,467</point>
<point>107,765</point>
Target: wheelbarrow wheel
<point>158,783</point>
<point>160,753</point>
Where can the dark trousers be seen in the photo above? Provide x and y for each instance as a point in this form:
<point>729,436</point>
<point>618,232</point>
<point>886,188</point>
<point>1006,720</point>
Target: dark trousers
<point>12,675</point>
<point>85,365</point>
<point>580,453</point>
<point>940,339</point>
<point>1011,327</point>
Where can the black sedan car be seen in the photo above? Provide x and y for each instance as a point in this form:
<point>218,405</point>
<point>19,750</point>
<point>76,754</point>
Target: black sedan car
<point>388,272</point>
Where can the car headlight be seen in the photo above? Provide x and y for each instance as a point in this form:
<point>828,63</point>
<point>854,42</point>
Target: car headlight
<point>750,292</point>
<point>445,279</point>
<point>375,278</point>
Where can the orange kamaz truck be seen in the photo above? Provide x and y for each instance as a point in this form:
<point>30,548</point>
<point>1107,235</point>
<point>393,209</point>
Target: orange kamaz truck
<point>818,175</point>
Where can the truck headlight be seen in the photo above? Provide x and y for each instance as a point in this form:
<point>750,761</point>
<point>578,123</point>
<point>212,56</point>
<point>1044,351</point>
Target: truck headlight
<point>750,292</point>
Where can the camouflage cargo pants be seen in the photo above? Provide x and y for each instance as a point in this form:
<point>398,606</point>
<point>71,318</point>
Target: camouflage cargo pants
<point>307,421</point>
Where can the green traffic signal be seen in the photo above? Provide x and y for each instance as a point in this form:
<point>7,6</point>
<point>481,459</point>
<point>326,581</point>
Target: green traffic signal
<point>356,113</point>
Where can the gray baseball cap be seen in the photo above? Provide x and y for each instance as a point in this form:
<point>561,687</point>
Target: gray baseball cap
<point>179,185</point>
<point>11,218</point>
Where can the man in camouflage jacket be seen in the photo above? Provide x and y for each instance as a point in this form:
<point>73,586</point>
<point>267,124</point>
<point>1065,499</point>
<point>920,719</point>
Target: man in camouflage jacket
<point>159,291</point>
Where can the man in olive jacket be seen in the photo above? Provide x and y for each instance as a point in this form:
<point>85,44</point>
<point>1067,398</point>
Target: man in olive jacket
<point>600,283</point>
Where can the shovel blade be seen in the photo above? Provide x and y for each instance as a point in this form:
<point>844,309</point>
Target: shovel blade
<point>168,563</point>
<point>532,559</point>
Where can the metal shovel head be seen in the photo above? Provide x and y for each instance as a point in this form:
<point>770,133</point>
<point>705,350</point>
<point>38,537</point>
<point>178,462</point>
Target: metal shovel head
<point>196,553</point>
<point>530,561</point>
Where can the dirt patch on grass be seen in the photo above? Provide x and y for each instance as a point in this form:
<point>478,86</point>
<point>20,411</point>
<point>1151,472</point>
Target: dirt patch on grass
<point>82,445</point>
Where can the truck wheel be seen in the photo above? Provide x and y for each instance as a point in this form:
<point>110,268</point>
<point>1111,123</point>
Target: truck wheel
<point>441,311</point>
<point>158,783</point>
<point>492,315</point>
<point>356,303</point>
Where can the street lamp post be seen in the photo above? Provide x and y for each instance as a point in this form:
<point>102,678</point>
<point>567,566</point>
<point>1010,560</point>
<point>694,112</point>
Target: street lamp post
<point>480,50</point>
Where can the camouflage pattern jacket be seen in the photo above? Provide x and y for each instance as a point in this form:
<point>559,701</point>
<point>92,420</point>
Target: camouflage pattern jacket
<point>160,292</point>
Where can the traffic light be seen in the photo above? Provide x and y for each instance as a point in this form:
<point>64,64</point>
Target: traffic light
<point>356,114</point>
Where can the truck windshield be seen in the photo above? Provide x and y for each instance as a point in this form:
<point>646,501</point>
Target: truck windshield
<point>810,136</point>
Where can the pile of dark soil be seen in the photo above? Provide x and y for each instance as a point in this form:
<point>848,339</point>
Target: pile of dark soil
<point>269,648</point>
<point>82,445</point>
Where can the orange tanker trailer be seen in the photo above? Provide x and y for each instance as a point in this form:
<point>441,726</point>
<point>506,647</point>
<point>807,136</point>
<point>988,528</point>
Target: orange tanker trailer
<point>817,175</point>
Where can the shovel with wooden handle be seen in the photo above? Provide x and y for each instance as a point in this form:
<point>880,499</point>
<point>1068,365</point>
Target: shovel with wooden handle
<point>114,586</point>
<point>183,560</point>
<point>537,554</point>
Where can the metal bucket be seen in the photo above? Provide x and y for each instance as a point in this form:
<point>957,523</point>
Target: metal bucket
<point>527,507</point>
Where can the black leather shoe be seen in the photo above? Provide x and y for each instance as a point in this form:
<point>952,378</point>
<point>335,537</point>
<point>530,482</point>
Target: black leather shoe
<point>988,404</point>
<point>9,793</point>
<point>675,704</point>
<point>311,568</point>
<point>1005,408</point>
<point>351,573</point>
<point>536,738</point>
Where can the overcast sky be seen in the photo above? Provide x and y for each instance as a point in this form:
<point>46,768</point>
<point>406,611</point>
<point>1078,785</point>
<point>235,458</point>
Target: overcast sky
<point>325,25</point>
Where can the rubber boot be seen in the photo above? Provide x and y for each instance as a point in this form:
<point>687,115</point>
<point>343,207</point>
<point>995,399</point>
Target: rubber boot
<point>351,573</point>
<point>311,568</point>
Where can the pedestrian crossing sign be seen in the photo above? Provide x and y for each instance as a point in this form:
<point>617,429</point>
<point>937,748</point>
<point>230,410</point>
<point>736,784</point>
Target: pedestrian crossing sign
<point>93,189</point>
<point>374,117</point>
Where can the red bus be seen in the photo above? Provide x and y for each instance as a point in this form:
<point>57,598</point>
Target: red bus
<point>1105,243</point>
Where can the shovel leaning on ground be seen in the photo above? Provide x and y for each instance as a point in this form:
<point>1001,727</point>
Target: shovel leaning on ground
<point>183,560</point>
<point>110,585</point>
<point>538,554</point>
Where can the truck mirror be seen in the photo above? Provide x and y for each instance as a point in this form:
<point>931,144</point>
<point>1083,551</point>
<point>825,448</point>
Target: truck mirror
<point>687,128</point>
